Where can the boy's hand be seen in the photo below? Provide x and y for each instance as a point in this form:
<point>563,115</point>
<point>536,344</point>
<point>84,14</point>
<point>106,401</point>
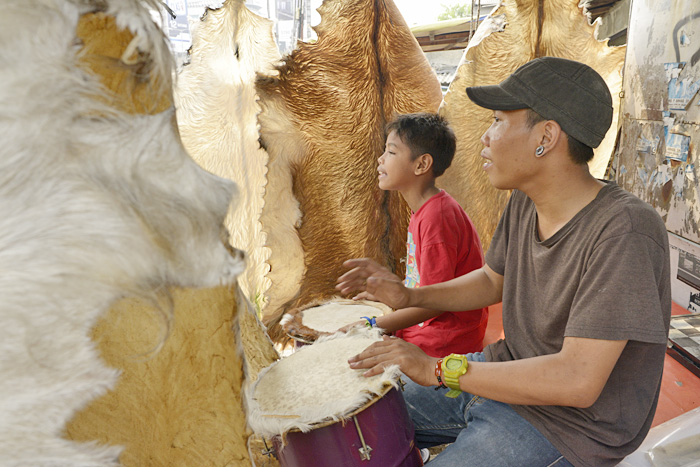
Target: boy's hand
<point>375,282</point>
<point>348,327</point>
<point>412,361</point>
<point>360,270</point>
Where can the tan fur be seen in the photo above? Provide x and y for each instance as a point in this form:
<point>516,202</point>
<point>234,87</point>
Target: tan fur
<point>323,127</point>
<point>177,405</point>
<point>136,87</point>
<point>533,28</point>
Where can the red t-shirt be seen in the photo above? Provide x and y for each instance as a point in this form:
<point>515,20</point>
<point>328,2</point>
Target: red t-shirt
<point>443,244</point>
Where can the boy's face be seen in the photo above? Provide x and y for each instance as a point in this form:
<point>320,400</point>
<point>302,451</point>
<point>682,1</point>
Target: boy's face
<point>396,167</point>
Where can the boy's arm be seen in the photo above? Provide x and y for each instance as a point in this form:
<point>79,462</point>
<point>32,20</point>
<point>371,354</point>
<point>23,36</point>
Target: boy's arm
<point>399,319</point>
<point>405,317</point>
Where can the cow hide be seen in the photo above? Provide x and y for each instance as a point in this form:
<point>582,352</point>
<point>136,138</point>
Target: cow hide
<point>217,116</point>
<point>322,124</point>
<point>515,33</point>
<point>98,200</point>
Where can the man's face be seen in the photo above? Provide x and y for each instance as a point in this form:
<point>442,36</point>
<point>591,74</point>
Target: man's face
<point>396,169</point>
<point>509,149</point>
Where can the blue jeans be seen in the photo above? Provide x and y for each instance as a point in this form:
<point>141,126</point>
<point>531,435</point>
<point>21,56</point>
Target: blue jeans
<point>483,433</point>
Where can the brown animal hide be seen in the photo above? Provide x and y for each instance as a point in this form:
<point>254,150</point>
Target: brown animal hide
<point>178,401</point>
<point>323,124</point>
<point>515,33</point>
<point>217,112</point>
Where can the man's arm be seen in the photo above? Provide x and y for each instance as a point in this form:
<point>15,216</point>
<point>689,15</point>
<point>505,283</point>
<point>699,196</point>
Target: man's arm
<point>476,289</point>
<point>575,376</point>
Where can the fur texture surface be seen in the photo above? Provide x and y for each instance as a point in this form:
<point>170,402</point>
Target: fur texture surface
<point>515,33</point>
<point>329,315</point>
<point>180,403</point>
<point>96,202</point>
<point>282,398</point>
<point>217,116</point>
<point>322,123</point>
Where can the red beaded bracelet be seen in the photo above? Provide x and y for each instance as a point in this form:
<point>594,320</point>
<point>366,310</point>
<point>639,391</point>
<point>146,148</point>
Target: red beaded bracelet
<point>438,374</point>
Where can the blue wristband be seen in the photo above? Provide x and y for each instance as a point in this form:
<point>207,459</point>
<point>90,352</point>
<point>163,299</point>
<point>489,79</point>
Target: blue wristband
<point>371,322</point>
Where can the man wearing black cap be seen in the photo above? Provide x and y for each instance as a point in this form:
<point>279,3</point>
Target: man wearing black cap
<point>582,269</point>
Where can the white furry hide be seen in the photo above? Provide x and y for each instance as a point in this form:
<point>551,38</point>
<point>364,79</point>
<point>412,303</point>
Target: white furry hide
<point>95,204</point>
<point>315,384</point>
<point>217,116</point>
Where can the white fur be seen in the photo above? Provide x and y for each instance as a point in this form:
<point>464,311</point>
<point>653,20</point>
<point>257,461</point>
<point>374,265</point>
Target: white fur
<point>315,384</point>
<point>94,205</point>
<point>217,117</point>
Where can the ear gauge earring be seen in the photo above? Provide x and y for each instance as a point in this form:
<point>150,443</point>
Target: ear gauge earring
<point>539,151</point>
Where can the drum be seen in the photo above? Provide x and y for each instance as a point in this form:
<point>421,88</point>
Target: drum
<point>318,411</point>
<point>323,318</point>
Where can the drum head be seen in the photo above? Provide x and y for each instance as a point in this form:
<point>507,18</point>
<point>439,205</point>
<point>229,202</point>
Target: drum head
<point>324,317</point>
<point>315,385</point>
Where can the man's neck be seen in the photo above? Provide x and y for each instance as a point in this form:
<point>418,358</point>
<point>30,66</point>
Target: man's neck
<point>560,198</point>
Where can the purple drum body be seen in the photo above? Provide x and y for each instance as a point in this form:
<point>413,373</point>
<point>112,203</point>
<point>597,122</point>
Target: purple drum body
<point>380,435</point>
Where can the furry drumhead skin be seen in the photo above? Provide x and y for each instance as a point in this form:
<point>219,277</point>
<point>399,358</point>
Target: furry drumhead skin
<point>325,317</point>
<point>217,116</point>
<point>515,33</point>
<point>322,123</point>
<point>315,384</point>
<point>95,203</point>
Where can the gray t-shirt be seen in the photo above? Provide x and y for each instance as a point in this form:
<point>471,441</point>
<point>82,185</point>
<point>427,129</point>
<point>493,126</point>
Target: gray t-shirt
<point>604,275</point>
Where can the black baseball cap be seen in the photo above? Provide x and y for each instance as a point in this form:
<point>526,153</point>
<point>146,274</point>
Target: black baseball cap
<point>568,92</point>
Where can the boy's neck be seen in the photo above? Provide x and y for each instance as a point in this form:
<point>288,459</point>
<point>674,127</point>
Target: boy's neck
<point>417,195</point>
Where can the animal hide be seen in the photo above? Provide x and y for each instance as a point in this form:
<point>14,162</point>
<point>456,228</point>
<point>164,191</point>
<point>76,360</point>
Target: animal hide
<point>515,33</point>
<point>322,123</point>
<point>98,200</point>
<point>180,404</point>
<point>217,116</point>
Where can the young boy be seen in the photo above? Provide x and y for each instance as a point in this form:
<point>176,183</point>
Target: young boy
<point>442,242</point>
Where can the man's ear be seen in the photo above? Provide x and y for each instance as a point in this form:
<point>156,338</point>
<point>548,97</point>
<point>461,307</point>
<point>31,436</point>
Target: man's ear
<point>424,164</point>
<point>551,134</point>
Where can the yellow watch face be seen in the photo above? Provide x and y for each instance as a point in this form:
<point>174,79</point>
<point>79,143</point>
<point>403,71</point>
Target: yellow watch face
<point>453,364</point>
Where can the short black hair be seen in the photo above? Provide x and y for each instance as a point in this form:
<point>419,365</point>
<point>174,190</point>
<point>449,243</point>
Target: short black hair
<point>426,133</point>
<point>579,152</point>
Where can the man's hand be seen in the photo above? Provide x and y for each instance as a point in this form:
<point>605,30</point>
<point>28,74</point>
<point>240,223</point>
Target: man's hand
<point>375,282</point>
<point>412,361</point>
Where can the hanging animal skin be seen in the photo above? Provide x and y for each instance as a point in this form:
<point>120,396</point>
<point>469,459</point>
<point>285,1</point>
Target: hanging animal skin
<point>99,200</point>
<point>515,33</point>
<point>322,124</point>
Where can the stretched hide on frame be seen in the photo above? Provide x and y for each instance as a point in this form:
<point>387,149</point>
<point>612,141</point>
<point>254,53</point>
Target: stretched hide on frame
<point>98,200</point>
<point>217,116</point>
<point>515,33</point>
<point>322,124</point>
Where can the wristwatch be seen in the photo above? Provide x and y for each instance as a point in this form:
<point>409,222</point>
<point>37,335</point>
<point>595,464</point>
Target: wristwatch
<point>453,366</point>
